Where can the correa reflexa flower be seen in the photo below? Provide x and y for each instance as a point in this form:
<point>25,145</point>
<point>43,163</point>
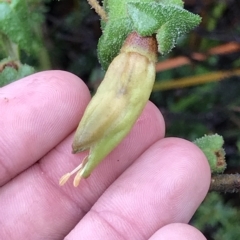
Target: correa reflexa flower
<point>116,105</point>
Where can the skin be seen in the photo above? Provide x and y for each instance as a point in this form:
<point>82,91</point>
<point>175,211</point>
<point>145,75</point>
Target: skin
<point>148,188</point>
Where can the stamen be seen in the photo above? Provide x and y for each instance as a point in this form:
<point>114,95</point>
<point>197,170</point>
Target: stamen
<point>64,179</point>
<point>76,169</point>
<point>66,176</point>
<point>77,178</point>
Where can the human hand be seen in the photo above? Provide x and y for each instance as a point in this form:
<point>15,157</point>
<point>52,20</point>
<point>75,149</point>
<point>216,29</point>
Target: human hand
<point>148,188</point>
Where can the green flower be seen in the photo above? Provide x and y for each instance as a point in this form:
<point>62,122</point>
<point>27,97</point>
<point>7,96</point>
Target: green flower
<point>116,105</point>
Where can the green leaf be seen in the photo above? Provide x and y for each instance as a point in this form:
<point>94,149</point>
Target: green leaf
<point>173,2</point>
<point>10,74</point>
<point>14,22</point>
<point>116,9</point>
<point>170,32</point>
<point>212,147</point>
<point>115,32</point>
<point>167,20</point>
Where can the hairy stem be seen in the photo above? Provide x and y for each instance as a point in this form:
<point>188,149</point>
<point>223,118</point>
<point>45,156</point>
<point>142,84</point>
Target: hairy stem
<point>99,10</point>
<point>227,183</point>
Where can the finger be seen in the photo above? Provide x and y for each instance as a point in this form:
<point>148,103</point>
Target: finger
<point>178,231</point>
<point>165,185</point>
<point>38,112</point>
<point>48,211</point>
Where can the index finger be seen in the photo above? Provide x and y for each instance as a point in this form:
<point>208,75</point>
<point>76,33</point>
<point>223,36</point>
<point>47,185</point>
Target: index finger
<point>37,113</point>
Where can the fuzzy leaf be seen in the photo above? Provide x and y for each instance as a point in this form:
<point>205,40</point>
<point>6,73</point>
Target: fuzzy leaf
<point>212,146</point>
<point>167,20</point>
<point>115,30</point>
<point>14,22</point>
<point>173,2</point>
<point>116,9</point>
<point>111,41</point>
<point>10,74</point>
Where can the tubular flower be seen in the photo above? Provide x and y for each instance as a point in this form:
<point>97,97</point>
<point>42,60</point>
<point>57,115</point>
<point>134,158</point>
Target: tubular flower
<point>116,105</point>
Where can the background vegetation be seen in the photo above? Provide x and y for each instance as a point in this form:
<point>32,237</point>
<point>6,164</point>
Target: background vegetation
<point>197,87</point>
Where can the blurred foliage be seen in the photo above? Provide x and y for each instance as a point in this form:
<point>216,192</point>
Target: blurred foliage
<point>21,39</point>
<point>15,24</point>
<point>10,74</point>
<point>72,31</point>
<point>217,218</point>
<point>67,32</point>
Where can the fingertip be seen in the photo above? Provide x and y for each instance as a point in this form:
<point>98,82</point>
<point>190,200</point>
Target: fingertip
<point>188,162</point>
<point>178,231</point>
<point>192,155</point>
<point>156,116</point>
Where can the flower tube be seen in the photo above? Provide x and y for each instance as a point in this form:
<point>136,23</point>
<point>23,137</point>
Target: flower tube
<point>117,104</point>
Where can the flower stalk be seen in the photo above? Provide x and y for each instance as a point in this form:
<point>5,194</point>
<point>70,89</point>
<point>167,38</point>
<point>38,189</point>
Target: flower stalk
<point>99,9</point>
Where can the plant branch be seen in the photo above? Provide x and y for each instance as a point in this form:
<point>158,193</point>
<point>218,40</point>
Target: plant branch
<point>99,9</point>
<point>43,55</point>
<point>11,48</point>
<point>227,183</point>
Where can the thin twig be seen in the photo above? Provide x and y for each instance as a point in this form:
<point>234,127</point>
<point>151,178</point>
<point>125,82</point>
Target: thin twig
<point>197,56</point>
<point>227,183</point>
<point>11,48</point>
<point>195,80</point>
<point>99,9</point>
